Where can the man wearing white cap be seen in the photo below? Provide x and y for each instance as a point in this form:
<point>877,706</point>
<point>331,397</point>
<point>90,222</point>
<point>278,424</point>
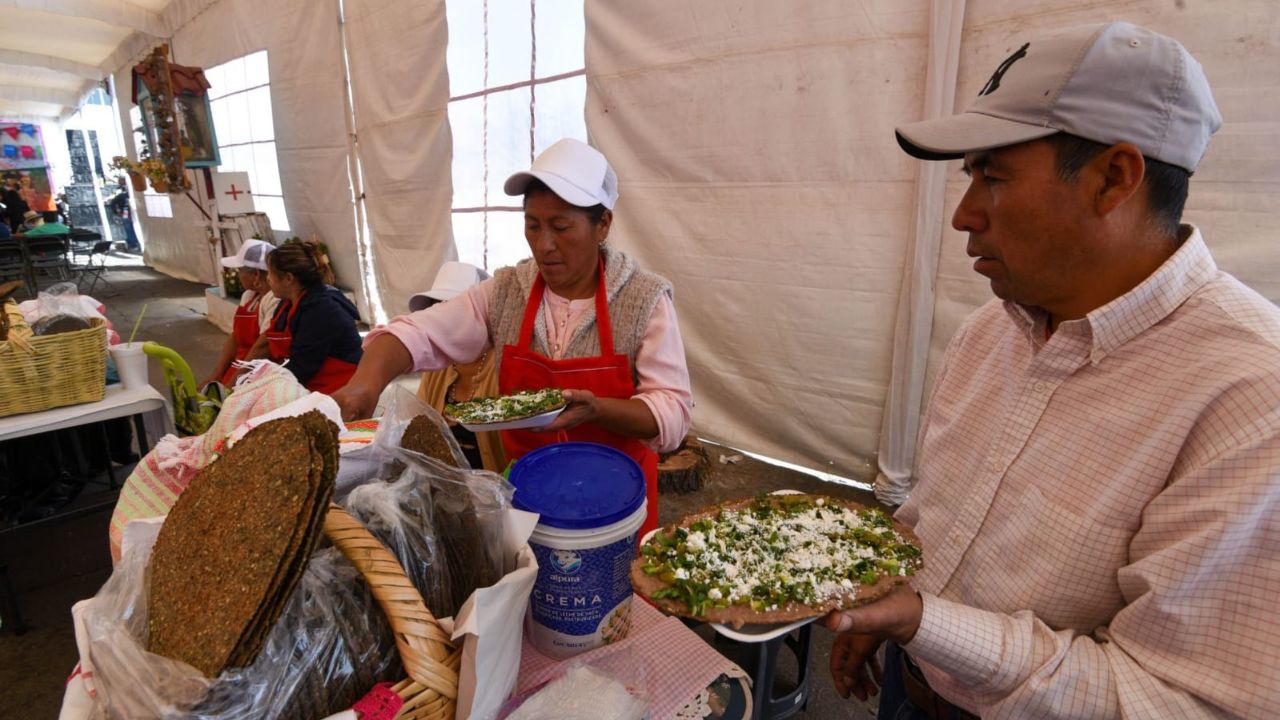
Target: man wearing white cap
<point>1098,482</point>
<point>253,316</point>
<point>579,315</point>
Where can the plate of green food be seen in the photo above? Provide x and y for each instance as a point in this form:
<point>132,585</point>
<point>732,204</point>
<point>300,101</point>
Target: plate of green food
<point>522,410</point>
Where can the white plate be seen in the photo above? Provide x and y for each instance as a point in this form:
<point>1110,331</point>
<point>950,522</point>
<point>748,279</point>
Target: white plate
<point>752,633</point>
<point>533,421</point>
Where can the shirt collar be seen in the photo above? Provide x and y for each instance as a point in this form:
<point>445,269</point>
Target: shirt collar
<point>1124,318</point>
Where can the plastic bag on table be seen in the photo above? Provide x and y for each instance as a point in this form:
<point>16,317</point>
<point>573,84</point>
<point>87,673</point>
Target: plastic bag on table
<point>610,685</point>
<point>430,435</point>
<point>60,308</point>
<point>446,526</point>
<point>330,645</point>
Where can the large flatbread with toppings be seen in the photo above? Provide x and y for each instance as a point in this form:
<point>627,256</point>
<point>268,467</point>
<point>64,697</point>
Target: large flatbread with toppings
<point>506,408</point>
<point>774,559</point>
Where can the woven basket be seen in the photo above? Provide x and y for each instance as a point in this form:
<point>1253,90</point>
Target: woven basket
<point>49,371</point>
<point>428,655</point>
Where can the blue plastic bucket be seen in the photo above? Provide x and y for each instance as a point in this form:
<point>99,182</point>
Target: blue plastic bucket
<point>591,503</point>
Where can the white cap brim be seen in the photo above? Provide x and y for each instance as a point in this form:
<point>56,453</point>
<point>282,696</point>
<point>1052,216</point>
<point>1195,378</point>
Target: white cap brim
<point>951,137</point>
<point>233,262</point>
<point>570,193</point>
<point>422,300</point>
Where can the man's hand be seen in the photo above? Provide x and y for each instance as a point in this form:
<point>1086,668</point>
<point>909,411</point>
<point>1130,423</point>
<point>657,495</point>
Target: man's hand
<point>896,617</point>
<point>582,406</point>
<point>854,667</point>
<point>356,401</point>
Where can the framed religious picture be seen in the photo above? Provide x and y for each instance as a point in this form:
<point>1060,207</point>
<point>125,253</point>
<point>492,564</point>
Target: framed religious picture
<point>196,139</point>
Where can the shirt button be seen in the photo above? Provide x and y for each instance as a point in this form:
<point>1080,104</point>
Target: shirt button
<point>1041,387</point>
<point>996,467</point>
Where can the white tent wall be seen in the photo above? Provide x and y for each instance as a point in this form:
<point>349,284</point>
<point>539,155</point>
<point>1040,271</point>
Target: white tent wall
<point>400,89</point>
<point>308,104</point>
<point>754,146</point>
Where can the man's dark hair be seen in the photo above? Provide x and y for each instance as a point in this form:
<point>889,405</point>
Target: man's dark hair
<point>1166,184</point>
<point>595,213</point>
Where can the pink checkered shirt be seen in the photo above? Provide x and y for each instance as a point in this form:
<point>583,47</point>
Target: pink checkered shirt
<point>1100,512</point>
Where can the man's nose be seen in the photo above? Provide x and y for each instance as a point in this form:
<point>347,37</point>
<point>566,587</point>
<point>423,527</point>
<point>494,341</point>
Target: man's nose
<point>969,216</point>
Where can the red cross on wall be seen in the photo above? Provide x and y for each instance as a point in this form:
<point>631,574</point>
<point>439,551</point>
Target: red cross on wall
<point>234,193</point>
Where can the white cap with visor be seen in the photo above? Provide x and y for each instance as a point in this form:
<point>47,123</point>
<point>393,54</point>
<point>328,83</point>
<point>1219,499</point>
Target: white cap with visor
<point>575,171</point>
<point>252,254</point>
<point>1108,83</point>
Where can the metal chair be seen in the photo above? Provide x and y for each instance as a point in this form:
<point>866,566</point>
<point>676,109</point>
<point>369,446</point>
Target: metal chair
<point>93,271</point>
<point>13,264</point>
<point>49,253</point>
<point>82,242</point>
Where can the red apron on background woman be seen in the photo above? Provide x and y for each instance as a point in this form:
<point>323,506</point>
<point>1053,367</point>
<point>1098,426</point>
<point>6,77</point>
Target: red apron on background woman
<point>333,373</point>
<point>606,375</point>
<point>245,329</point>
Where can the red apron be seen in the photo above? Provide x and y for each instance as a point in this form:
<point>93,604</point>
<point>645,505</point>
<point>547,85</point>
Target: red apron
<point>333,373</point>
<point>606,375</point>
<point>245,330</point>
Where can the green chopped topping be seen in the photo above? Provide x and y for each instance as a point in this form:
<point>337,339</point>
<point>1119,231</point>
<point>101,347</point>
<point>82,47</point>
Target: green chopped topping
<point>778,550</point>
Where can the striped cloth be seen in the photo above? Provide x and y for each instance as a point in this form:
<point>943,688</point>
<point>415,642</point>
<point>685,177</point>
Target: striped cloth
<point>1100,511</point>
<point>160,477</point>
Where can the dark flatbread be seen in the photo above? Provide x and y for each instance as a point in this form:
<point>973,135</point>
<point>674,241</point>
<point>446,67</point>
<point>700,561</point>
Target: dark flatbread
<point>739,615</point>
<point>324,461</point>
<point>425,437</point>
<point>217,560</point>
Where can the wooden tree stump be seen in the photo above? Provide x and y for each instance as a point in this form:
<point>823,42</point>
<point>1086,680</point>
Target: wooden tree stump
<point>683,470</point>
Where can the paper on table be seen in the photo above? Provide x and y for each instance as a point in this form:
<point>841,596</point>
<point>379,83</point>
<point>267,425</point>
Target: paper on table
<point>491,625</point>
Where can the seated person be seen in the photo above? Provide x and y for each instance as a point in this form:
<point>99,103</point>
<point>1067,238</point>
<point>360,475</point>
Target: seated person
<point>314,327</point>
<point>253,316</point>
<point>36,224</point>
<point>461,382</point>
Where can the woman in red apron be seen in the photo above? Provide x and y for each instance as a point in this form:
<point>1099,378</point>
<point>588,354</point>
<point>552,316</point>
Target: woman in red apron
<point>254,313</point>
<point>579,316</point>
<point>313,333</point>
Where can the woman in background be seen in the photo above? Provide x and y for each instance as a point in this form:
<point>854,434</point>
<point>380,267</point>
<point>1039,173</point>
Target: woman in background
<point>253,316</point>
<point>314,328</point>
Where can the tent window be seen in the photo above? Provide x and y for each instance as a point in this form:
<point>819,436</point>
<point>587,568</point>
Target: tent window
<point>517,83</point>
<point>240,97</point>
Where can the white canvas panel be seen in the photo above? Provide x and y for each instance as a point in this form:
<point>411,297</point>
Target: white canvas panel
<point>401,90</point>
<point>758,172</point>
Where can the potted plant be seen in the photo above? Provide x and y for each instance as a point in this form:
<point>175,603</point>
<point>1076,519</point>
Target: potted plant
<point>120,162</point>
<point>155,171</point>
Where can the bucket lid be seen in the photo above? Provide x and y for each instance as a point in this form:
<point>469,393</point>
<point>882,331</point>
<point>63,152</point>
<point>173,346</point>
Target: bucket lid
<point>576,485</point>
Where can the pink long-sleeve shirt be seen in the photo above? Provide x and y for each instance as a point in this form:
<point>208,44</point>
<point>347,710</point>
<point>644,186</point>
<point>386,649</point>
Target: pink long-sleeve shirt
<point>458,331</point>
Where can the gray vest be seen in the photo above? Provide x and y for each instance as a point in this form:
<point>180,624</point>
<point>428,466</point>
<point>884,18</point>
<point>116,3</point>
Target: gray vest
<point>632,294</point>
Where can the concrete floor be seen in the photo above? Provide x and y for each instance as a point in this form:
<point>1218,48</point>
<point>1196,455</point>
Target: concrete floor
<point>52,565</point>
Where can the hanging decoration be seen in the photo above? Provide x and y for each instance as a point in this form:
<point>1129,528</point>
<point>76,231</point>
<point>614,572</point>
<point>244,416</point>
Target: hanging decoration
<point>12,131</point>
<point>170,97</point>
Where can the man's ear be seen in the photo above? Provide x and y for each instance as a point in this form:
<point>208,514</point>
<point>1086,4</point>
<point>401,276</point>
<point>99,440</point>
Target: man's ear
<point>602,229</point>
<point>1120,170</point>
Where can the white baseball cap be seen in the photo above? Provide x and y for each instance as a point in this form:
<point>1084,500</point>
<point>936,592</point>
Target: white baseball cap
<point>253,254</point>
<point>575,171</point>
<point>452,280</point>
<point>1108,83</point>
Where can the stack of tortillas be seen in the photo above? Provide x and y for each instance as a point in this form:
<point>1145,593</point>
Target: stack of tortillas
<point>235,544</point>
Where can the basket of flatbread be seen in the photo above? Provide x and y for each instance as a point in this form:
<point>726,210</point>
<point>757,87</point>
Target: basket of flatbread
<point>774,559</point>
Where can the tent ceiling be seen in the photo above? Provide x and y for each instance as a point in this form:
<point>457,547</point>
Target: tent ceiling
<point>76,43</point>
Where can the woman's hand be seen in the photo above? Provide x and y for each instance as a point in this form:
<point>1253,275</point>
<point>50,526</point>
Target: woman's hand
<point>357,401</point>
<point>625,416</point>
<point>582,406</point>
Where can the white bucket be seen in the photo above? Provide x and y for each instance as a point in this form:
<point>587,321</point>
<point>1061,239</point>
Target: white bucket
<point>582,597</point>
<point>592,503</point>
